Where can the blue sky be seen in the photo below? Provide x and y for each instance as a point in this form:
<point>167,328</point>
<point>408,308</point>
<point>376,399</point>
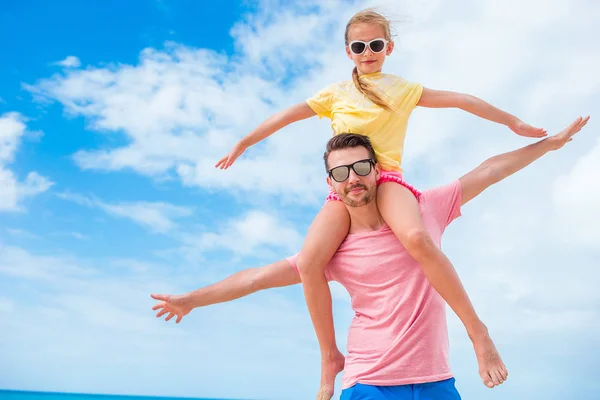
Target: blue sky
<point>112,116</point>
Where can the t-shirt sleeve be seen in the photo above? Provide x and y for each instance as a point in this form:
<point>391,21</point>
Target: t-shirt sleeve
<point>444,202</point>
<point>292,261</point>
<point>408,94</point>
<point>322,102</point>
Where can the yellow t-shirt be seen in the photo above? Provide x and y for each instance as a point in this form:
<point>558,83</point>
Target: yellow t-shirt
<point>352,112</point>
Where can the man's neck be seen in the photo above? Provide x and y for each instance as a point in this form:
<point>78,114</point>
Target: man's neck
<point>366,218</point>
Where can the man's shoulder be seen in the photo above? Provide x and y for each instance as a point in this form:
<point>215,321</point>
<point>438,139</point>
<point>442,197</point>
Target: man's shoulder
<point>442,202</point>
<point>448,190</point>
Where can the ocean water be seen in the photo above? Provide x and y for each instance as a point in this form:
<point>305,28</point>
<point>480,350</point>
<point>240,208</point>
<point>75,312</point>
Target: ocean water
<point>22,395</point>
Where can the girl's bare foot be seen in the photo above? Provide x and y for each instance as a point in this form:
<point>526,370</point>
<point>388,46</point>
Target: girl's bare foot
<point>491,367</point>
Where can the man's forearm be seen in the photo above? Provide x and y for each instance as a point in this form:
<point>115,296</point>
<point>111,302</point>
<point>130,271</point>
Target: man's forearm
<point>499,167</point>
<point>243,283</point>
<point>504,165</point>
<point>233,287</point>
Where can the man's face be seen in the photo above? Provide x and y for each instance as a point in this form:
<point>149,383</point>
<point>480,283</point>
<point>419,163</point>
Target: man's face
<point>356,191</point>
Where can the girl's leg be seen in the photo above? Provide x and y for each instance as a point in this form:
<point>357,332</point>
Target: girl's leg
<point>400,209</point>
<point>325,235</point>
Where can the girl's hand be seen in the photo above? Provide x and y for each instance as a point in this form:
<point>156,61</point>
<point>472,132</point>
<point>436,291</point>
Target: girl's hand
<point>523,129</point>
<point>229,159</point>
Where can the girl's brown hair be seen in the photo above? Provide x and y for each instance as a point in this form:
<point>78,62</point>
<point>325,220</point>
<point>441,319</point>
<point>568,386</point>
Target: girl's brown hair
<point>369,17</point>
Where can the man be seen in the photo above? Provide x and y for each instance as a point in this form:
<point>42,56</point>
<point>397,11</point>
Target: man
<point>398,340</point>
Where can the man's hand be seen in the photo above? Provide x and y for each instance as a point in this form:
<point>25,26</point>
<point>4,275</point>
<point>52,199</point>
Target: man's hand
<point>566,135</point>
<point>522,129</point>
<point>174,305</point>
<point>230,158</point>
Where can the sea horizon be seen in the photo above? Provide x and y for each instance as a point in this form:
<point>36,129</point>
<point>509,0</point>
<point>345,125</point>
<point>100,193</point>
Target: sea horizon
<point>19,394</point>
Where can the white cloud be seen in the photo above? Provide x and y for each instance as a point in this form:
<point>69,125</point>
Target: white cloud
<point>69,62</point>
<point>77,198</point>
<point>34,184</point>
<point>72,234</point>
<point>79,236</point>
<point>156,216</point>
<point>9,195</point>
<point>12,129</point>
<point>576,196</point>
<point>21,233</point>
<point>254,233</point>
<point>272,29</point>
<point>19,263</point>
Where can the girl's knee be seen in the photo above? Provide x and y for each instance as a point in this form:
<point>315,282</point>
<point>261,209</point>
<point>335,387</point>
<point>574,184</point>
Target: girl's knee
<point>417,239</point>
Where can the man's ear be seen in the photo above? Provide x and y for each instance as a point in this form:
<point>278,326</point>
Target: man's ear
<point>330,184</point>
<point>377,171</point>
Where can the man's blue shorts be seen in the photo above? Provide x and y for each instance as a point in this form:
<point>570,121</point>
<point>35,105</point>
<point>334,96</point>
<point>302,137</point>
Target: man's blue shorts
<point>442,390</point>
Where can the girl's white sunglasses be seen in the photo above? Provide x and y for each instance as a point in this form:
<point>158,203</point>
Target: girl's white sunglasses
<point>357,47</point>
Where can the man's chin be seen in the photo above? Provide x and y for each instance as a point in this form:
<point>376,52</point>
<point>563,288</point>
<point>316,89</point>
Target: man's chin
<point>357,201</point>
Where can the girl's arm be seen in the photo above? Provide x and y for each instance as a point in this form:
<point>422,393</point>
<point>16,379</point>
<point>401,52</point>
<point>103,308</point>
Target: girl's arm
<point>445,99</point>
<point>267,128</point>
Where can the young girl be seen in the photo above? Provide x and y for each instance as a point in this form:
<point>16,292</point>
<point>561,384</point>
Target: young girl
<point>378,105</point>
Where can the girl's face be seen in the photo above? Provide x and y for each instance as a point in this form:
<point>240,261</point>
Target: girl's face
<point>372,58</point>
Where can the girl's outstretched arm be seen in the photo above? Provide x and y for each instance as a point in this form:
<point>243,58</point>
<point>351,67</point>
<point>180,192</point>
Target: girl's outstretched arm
<point>474,105</point>
<point>267,128</point>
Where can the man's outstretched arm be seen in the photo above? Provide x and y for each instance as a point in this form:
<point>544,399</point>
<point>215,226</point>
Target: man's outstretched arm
<point>499,167</point>
<point>238,285</point>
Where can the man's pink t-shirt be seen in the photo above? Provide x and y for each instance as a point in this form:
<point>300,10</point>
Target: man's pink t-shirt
<point>398,335</point>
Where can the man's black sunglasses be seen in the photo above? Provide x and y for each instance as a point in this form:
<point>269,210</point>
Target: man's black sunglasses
<point>342,172</point>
